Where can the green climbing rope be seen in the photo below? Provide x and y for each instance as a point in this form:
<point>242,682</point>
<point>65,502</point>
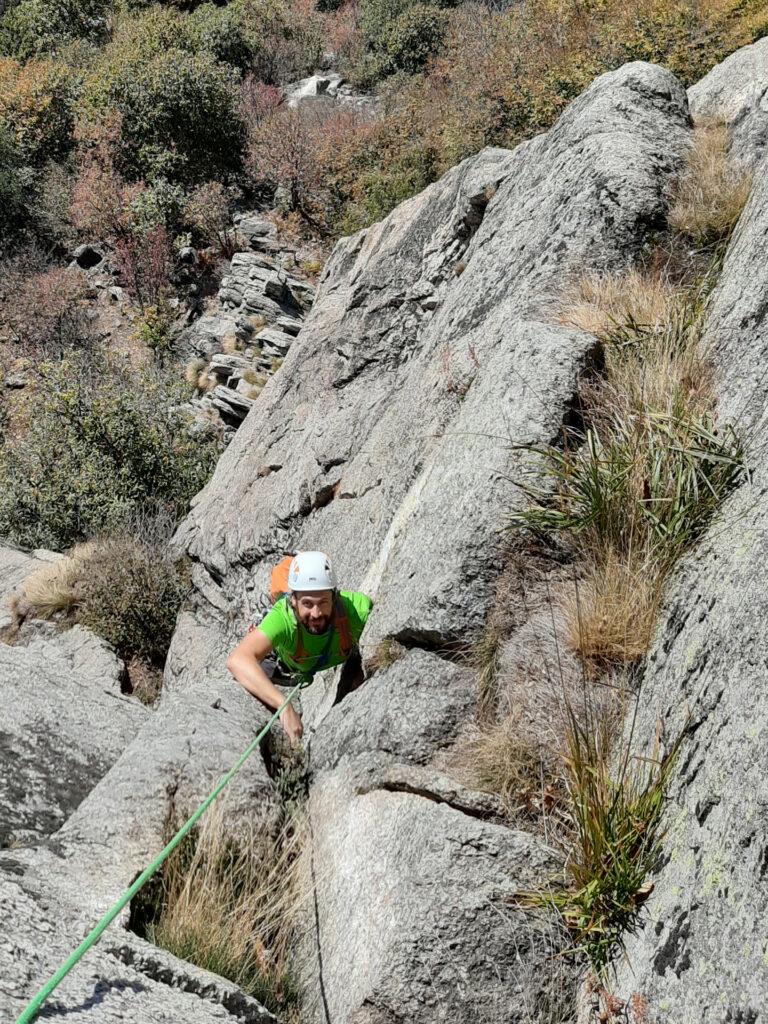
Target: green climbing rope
<point>30,1011</point>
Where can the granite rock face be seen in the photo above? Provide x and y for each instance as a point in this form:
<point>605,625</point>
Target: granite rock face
<point>65,720</point>
<point>413,907</point>
<point>702,954</point>
<point>410,710</point>
<point>429,353</point>
<point>387,438</point>
<point>121,979</point>
<point>64,728</point>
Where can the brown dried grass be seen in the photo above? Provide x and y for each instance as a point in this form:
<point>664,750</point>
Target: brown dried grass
<point>56,586</point>
<point>611,614</point>
<point>230,904</point>
<point>712,190</point>
<point>599,302</point>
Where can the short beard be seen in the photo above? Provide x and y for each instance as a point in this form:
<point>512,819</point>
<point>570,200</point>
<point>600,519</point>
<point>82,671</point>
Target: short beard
<point>317,630</point>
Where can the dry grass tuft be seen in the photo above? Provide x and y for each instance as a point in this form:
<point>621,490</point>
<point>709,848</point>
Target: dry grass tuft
<point>637,487</point>
<point>712,190</point>
<point>611,614</point>
<point>55,588</point>
<point>193,371</point>
<point>145,681</point>
<point>600,302</point>
<point>205,382</point>
<point>229,904</point>
<point>229,344</point>
<point>386,653</point>
<point>506,759</point>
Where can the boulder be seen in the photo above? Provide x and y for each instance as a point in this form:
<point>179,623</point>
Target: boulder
<point>226,364</point>
<point>230,404</point>
<point>409,711</point>
<point>273,342</point>
<point>413,903</point>
<point>702,953</point>
<point>736,92</point>
<point>170,762</point>
<point>328,88</point>
<point>63,730</point>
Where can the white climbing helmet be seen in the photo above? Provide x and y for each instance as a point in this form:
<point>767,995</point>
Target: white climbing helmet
<point>311,570</point>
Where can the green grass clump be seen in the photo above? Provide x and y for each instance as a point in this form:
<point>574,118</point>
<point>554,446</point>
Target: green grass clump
<point>639,483</point>
<point>614,835</point>
<point>651,484</point>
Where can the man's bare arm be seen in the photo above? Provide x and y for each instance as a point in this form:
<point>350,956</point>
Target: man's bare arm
<point>245,665</point>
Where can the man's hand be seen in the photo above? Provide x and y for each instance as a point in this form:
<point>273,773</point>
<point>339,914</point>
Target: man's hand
<point>291,722</point>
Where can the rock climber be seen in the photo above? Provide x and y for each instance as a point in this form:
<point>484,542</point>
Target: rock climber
<point>311,626</point>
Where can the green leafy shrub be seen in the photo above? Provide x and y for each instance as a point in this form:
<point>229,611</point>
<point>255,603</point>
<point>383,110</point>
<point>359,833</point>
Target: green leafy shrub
<point>223,32</point>
<point>500,75</point>
<point>178,114</point>
<point>104,443</point>
<point>154,330</point>
<point>130,591</point>
<point>403,43</point>
<point>15,180</point>
<point>160,204</point>
<point>33,27</point>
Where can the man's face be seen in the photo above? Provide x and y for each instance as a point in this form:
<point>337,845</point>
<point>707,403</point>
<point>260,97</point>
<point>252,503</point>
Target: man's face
<point>314,610</point>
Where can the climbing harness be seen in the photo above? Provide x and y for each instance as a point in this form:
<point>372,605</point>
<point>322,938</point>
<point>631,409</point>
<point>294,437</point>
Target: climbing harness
<point>30,1011</point>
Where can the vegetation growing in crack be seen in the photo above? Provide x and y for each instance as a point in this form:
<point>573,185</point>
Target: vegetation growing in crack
<point>227,900</point>
<point>625,495</point>
<point>634,490</point>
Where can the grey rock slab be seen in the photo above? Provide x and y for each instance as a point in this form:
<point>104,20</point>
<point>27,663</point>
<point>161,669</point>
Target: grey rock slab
<point>413,904</point>
<point>701,955</point>
<point>736,92</point>
<point>409,710</point>
<point>395,427</point>
<point>121,979</point>
<point>202,725</point>
<point>64,724</point>
<point>381,772</point>
<point>230,404</point>
<point>225,364</point>
<point>274,339</point>
<point>289,325</point>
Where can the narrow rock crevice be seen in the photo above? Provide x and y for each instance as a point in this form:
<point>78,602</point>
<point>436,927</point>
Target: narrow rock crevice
<point>204,986</point>
<point>470,807</point>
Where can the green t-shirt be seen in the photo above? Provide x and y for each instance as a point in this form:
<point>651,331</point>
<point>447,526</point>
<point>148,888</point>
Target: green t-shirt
<point>280,627</point>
